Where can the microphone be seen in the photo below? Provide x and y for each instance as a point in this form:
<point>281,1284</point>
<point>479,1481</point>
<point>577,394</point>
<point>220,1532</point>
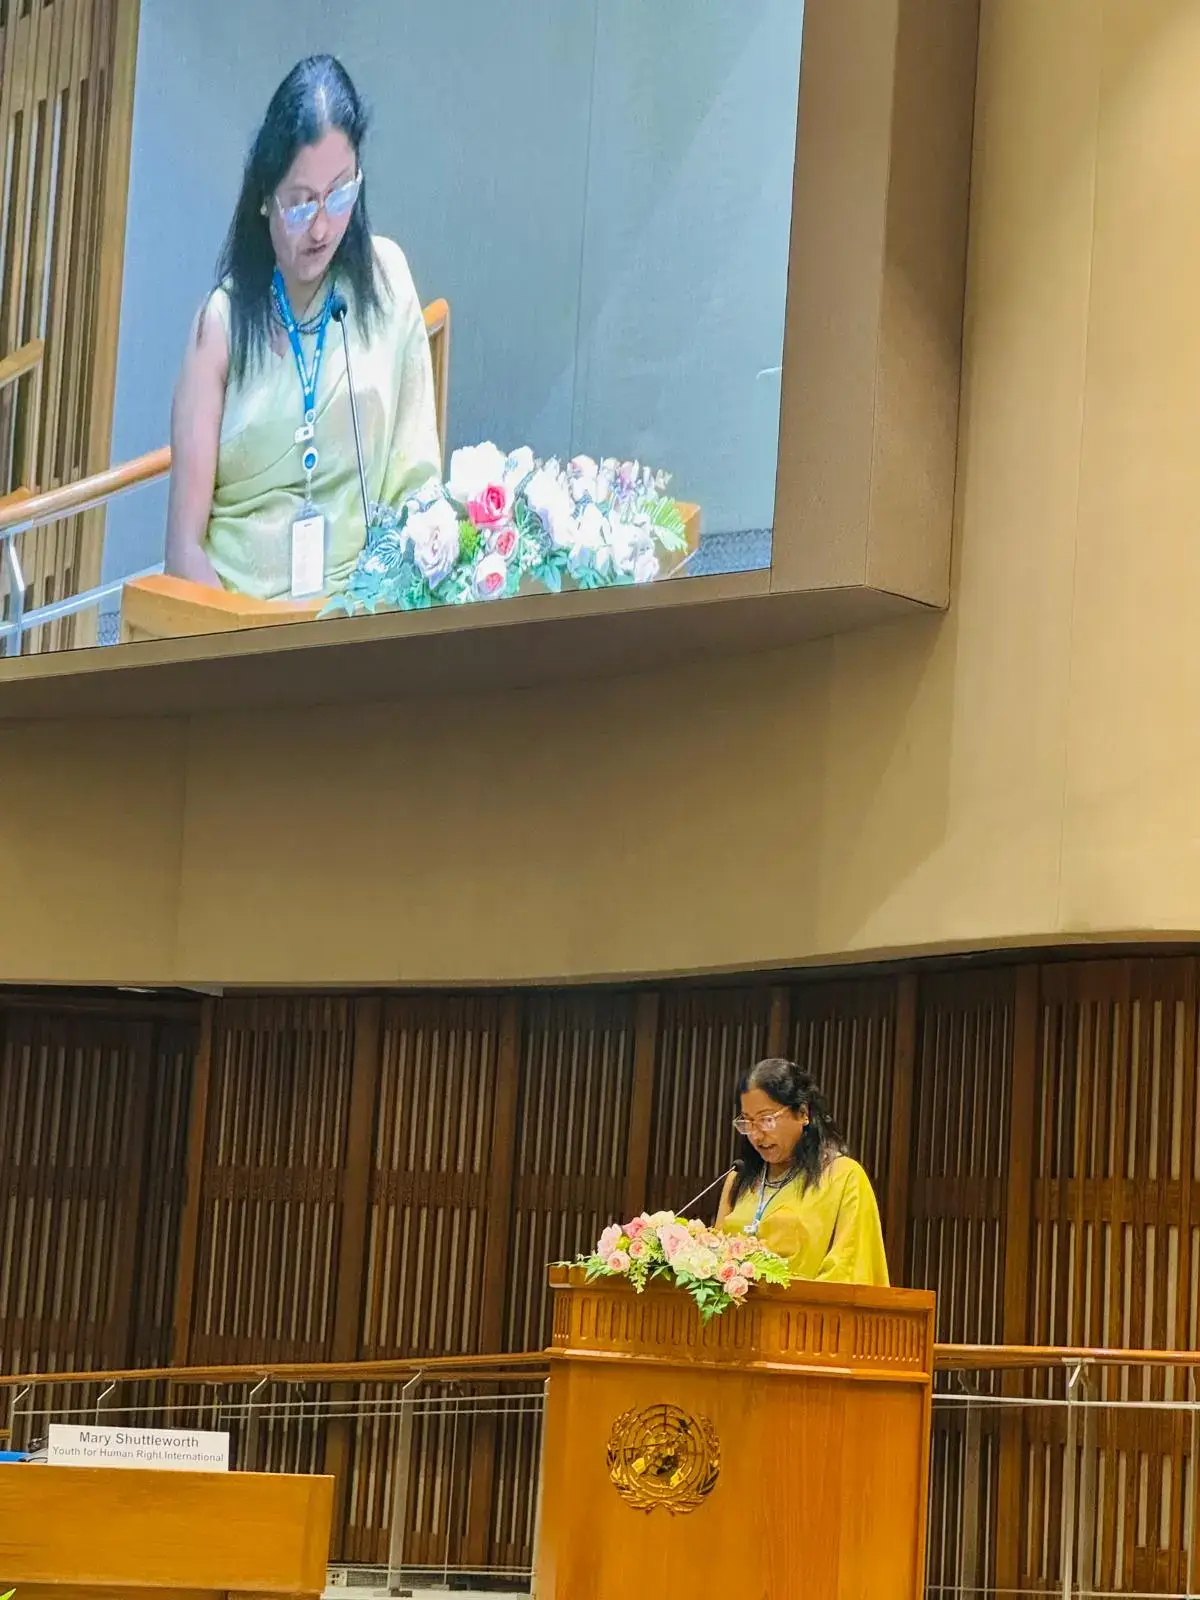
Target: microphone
<point>337,310</point>
<point>683,1210</point>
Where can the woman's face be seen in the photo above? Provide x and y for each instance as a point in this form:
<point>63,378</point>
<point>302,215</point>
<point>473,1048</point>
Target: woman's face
<point>774,1130</point>
<point>305,247</point>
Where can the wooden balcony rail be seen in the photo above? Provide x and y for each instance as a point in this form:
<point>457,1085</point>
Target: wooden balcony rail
<point>21,361</point>
<point>527,1364</point>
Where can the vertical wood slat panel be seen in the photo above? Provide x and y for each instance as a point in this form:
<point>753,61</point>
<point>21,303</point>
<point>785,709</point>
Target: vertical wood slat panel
<point>706,1038</point>
<point>957,1185</point>
<point>92,1123</point>
<point>1114,1199</point>
<point>66,107</point>
<point>440,1108</point>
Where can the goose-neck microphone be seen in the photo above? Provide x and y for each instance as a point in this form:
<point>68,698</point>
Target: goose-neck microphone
<point>338,310</point>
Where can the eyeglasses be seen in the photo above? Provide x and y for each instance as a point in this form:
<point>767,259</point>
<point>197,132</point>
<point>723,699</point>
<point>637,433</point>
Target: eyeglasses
<point>337,203</point>
<point>767,1123</point>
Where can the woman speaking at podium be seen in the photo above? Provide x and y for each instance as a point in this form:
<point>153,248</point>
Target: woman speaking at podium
<point>265,496</point>
<point>795,1187</point>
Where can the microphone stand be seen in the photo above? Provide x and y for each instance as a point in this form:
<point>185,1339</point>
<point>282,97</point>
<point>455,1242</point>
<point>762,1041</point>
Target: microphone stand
<point>338,312</point>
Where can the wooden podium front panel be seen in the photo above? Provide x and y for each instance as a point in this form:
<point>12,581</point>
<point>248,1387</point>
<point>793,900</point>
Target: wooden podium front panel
<point>823,1455</point>
<point>85,1530</point>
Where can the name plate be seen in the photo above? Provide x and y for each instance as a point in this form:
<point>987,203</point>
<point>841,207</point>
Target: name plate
<point>147,1448</point>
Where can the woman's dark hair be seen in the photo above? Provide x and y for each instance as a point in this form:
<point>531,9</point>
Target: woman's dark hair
<point>788,1085</point>
<point>316,96</point>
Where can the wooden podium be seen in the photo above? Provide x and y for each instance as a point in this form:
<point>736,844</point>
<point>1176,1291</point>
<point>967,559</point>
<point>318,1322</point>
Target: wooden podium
<point>780,1452</point>
<point>95,1533</point>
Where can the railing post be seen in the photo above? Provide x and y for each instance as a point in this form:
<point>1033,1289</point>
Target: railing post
<point>16,596</point>
<point>968,1561</point>
<point>400,1489</point>
<point>250,1448</point>
<point>1068,1487</point>
<point>1087,1492</point>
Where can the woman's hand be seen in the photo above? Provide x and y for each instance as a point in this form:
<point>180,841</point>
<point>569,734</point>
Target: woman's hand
<point>196,413</point>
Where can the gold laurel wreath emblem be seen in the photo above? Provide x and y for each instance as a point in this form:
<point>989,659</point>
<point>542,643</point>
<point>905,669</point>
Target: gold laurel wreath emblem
<point>663,1457</point>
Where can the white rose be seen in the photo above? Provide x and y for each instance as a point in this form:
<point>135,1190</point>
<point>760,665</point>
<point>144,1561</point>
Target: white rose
<point>491,577</point>
<point>645,568</point>
<point>582,474</point>
<point>434,534</point>
<point>472,468</point>
<point>628,541</point>
<point>550,501</point>
<point>518,466</point>
<point>591,528</point>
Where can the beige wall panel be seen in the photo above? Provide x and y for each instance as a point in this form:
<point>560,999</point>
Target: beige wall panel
<point>1132,827</point>
<point>89,851</point>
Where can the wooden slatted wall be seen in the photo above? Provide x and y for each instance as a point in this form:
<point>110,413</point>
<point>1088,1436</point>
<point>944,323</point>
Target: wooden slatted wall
<point>385,1178</point>
<point>93,1118</point>
<point>66,108</point>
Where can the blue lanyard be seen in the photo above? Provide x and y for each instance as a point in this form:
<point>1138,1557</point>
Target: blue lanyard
<point>765,1197</point>
<point>309,378</point>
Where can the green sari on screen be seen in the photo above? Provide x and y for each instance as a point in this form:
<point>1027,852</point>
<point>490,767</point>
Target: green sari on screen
<point>259,488</point>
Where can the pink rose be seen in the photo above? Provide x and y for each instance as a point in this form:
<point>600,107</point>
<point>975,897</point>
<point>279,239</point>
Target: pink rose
<point>491,507</point>
<point>726,1271</point>
<point>491,575</point>
<point>739,1246</point>
<point>673,1236</point>
<point>736,1287</point>
<point>749,1270</point>
<point>610,1240</point>
<point>618,1261</point>
<point>637,1249</point>
<point>637,1227</point>
<point>503,542</point>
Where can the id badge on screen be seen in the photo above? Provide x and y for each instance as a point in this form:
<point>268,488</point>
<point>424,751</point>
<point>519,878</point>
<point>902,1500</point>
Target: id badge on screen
<point>308,554</point>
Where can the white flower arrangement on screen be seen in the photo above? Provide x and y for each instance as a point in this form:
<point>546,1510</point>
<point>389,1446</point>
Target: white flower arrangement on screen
<point>500,523</point>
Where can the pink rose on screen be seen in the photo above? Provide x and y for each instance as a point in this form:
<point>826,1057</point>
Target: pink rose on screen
<point>503,542</point>
<point>618,1261</point>
<point>739,1246</point>
<point>749,1270</point>
<point>491,575</point>
<point>737,1287</point>
<point>727,1270</point>
<point>637,1249</point>
<point>490,507</point>
<point>637,1227</point>
<point>610,1240</point>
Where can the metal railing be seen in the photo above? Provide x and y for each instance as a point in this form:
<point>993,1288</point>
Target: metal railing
<point>1103,1447</point>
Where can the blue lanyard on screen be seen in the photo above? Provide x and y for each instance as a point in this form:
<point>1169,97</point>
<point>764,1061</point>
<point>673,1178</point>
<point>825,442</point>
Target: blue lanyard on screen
<point>309,377</point>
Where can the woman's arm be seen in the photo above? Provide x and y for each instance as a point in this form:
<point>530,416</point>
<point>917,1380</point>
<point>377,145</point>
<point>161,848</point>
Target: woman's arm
<point>196,413</point>
<point>726,1205</point>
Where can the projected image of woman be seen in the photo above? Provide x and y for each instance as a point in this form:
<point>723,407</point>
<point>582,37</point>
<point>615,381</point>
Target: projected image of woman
<point>265,496</point>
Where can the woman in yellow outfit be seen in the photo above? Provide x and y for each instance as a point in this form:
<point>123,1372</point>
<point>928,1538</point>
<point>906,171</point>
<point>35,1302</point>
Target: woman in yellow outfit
<point>795,1187</point>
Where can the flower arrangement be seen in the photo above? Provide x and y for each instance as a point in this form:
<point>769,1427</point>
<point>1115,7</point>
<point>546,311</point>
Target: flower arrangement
<point>500,520</point>
<point>716,1269</point>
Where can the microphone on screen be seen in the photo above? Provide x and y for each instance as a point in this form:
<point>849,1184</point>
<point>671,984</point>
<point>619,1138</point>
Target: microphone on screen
<point>337,310</point>
<point>683,1210</point>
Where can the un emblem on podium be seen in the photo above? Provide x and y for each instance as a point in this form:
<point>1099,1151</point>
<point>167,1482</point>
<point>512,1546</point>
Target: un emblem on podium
<point>663,1457</point>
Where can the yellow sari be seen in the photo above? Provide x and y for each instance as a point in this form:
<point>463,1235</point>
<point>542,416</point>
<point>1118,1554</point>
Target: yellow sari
<point>830,1232</point>
<point>260,483</point>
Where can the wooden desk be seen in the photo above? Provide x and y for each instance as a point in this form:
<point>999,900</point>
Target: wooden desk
<point>92,1533</point>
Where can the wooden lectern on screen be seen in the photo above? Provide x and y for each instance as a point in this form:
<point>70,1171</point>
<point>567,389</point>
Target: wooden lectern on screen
<point>104,1532</point>
<point>781,1451</point>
